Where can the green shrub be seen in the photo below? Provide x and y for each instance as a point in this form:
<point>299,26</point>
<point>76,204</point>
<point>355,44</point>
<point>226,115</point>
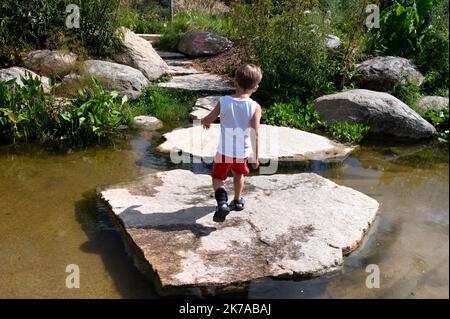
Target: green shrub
<point>288,44</point>
<point>27,114</point>
<point>192,21</point>
<point>347,132</point>
<point>94,114</point>
<point>408,92</point>
<point>302,116</point>
<point>166,105</point>
<point>439,119</point>
<point>39,24</point>
<point>293,114</point>
<point>24,111</point>
<point>416,30</point>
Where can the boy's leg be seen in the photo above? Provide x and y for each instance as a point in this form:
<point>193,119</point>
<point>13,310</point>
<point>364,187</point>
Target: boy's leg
<point>238,181</point>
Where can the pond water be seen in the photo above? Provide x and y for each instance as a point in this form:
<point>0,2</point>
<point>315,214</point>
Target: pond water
<point>50,218</point>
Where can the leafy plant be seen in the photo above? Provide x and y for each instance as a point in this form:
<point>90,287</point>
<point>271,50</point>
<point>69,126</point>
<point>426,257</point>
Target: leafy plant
<point>416,30</point>
<point>347,132</point>
<point>41,24</point>
<point>407,91</point>
<point>439,119</point>
<point>167,105</point>
<point>24,111</point>
<point>28,114</point>
<point>293,114</point>
<point>93,115</point>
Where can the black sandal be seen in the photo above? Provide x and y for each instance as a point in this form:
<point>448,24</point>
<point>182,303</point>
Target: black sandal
<point>235,202</point>
<point>222,210</point>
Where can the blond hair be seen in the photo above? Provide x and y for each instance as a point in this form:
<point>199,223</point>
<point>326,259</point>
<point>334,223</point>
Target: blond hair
<point>248,76</point>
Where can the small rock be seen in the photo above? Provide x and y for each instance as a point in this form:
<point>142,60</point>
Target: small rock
<point>384,72</point>
<point>332,42</point>
<point>121,78</point>
<point>148,122</point>
<point>436,103</point>
<point>198,44</point>
<point>139,54</point>
<point>47,62</point>
<point>384,113</point>
<point>18,72</point>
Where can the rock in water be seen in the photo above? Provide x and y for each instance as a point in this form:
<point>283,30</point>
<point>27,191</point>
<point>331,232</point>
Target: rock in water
<point>148,122</point>
<point>384,113</point>
<point>49,62</point>
<point>139,54</point>
<point>121,78</point>
<point>292,226</point>
<point>276,143</point>
<point>197,44</point>
<point>384,72</point>
<point>436,103</point>
<point>18,72</point>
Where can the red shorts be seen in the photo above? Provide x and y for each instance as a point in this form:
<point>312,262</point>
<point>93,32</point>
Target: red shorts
<point>223,165</point>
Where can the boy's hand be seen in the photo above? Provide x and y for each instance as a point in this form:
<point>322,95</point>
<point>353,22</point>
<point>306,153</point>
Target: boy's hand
<point>206,126</point>
<point>255,164</point>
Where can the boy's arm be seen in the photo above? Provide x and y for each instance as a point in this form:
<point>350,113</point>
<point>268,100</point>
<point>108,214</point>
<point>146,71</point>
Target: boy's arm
<point>211,117</point>
<point>255,135</point>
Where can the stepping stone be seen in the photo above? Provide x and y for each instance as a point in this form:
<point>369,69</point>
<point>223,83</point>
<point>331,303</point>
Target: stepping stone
<point>182,70</point>
<point>203,106</point>
<point>203,82</point>
<point>179,62</point>
<point>276,143</point>
<point>171,55</point>
<point>198,113</point>
<point>293,226</point>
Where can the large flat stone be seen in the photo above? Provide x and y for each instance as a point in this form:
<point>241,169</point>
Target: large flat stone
<point>203,82</point>
<point>298,225</point>
<point>282,143</point>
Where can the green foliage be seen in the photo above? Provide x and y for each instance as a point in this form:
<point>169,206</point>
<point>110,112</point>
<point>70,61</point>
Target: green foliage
<point>42,24</point>
<point>288,43</point>
<point>408,92</point>
<point>94,114</point>
<point>166,105</point>
<point>439,119</point>
<point>24,111</point>
<point>293,114</point>
<point>149,18</point>
<point>302,116</point>
<point>27,114</point>
<point>416,30</point>
<point>192,21</point>
<point>347,132</point>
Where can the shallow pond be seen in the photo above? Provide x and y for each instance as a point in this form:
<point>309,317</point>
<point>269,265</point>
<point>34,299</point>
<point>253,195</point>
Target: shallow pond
<point>50,218</point>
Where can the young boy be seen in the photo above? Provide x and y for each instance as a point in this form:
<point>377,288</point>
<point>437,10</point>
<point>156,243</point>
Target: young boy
<point>239,130</point>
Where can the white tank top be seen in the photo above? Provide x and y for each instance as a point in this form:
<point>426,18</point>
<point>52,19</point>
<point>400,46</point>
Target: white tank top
<point>235,126</point>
